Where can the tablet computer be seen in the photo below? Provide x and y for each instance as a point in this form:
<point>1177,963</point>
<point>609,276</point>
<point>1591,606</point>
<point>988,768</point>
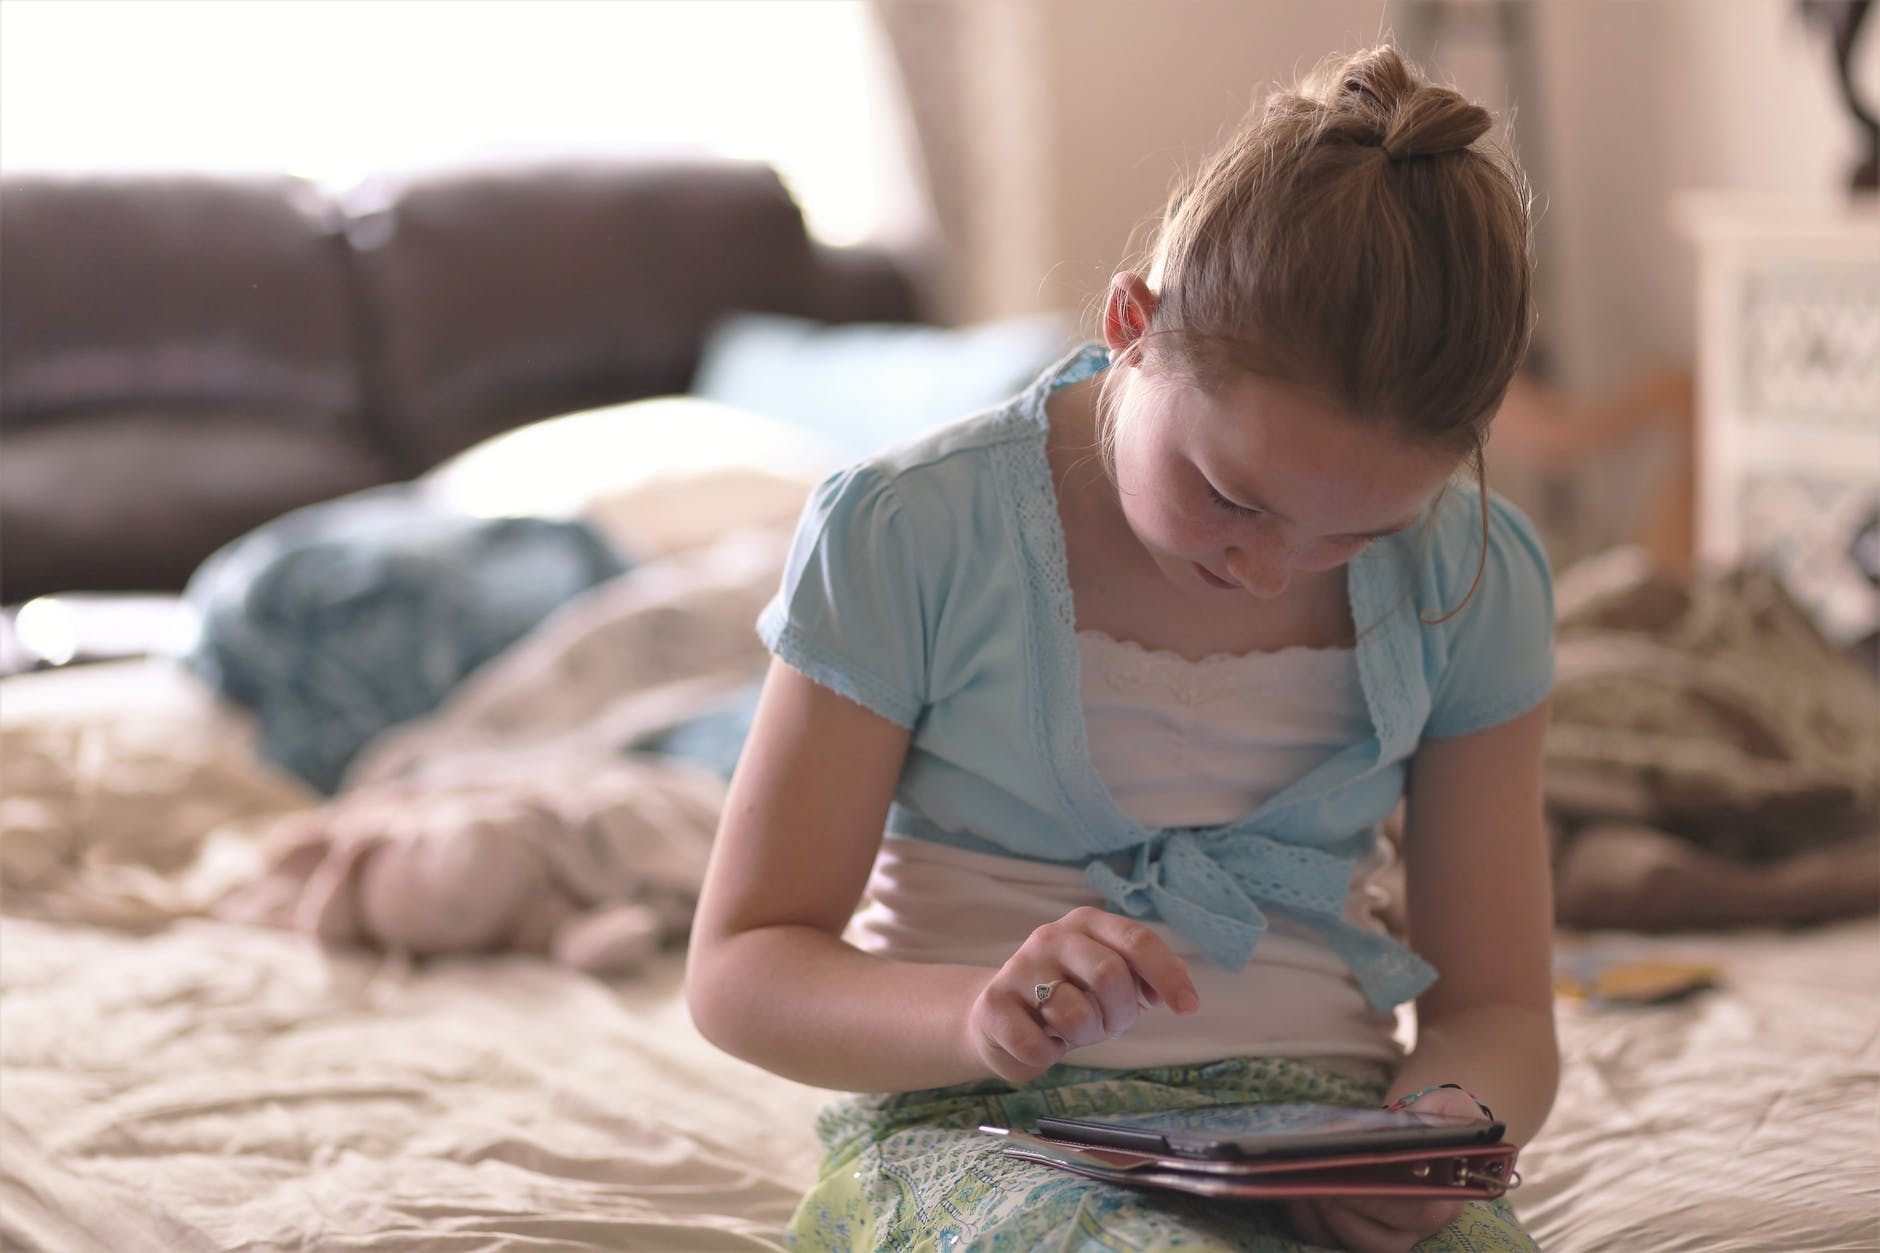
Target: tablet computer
<point>1240,1132</point>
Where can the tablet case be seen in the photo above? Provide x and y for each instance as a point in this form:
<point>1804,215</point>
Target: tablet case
<point>1466,1171</point>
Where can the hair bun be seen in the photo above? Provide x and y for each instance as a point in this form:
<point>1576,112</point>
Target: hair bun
<point>1435,120</point>
<point>1395,111</point>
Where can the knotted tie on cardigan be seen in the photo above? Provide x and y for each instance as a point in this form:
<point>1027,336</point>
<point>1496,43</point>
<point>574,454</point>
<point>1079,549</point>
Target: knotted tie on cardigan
<point>1217,891</point>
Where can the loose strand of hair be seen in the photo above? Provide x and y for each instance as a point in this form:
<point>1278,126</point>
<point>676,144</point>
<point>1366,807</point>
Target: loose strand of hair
<point>1481,560</point>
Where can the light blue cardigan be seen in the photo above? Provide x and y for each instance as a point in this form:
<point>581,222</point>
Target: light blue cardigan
<point>928,583</point>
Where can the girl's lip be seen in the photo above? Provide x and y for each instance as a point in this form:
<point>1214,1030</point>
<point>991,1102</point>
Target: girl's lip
<point>1210,578</point>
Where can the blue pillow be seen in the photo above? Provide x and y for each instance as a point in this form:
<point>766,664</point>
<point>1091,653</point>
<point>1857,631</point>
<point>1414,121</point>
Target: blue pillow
<point>865,385</point>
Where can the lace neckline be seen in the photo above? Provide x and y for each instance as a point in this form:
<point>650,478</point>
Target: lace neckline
<point>1214,661</point>
<point>1126,666</point>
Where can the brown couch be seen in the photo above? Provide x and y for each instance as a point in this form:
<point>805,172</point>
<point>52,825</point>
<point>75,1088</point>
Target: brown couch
<point>183,358</point>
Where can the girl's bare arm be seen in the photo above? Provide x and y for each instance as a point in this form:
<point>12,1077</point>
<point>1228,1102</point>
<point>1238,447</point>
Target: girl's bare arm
<point>1476,854</point>
<point>770,980</point>
<point>1481,911</point>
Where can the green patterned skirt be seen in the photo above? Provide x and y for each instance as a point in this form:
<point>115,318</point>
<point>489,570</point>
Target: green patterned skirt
<point>911,1171</point>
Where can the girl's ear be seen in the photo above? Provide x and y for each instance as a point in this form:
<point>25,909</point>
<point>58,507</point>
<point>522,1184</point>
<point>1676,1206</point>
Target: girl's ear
<point>1126,313</point>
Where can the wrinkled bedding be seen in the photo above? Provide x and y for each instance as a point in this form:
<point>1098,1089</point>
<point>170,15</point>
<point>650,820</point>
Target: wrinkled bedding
<point>174,1079</point>
<point>1744,1120</point>
<point>214,1086</point>
<point>519,815</point>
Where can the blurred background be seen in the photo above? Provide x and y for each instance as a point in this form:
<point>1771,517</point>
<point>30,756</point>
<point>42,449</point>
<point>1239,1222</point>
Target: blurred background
<point>1008,155</point>
<point>1025,141</point>
<point>406,407</point>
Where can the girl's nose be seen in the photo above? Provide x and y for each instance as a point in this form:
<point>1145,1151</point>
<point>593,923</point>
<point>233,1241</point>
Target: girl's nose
<point>1263,569</point>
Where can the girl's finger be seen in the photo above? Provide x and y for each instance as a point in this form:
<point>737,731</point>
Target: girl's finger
<point>1414,1216</point>
<point>1164,976</point>
<point>1071,1016</point>
<point>1022,1038</point>
<point>1359,1234</point>
<point>1308,1224</point>
<point>1110,1002</point>
<point>1451,1101</point>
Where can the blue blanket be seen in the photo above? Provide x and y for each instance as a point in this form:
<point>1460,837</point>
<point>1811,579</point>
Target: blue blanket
<point>337,621</point>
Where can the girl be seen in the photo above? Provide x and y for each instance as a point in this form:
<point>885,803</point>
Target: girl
<point>1095,704</point>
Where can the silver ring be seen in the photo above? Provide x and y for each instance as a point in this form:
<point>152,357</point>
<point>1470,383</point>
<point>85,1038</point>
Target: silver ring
<point>1042,992</point>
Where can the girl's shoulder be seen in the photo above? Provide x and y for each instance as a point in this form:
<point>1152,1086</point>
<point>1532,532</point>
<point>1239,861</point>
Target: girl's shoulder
<point>1485,601</point>
<point>890,544</point>
<point>977,465</point>
<point>1009,436</point>
<point>960,447</point>
<point>1471,532</point>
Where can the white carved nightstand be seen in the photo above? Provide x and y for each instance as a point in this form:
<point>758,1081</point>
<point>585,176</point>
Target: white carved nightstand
<point>1788,403</point>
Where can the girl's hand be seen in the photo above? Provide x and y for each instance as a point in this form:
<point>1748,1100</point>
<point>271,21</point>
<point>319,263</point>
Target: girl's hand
<point>1367,1224</point>
<point>1104,969</point>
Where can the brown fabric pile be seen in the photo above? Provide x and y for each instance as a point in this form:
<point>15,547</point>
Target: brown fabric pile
<point>1712,760</point>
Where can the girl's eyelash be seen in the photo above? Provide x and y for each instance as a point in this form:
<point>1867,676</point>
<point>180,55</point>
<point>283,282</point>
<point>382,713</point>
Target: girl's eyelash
<point>1243,510</point>
<point>1247,511</point>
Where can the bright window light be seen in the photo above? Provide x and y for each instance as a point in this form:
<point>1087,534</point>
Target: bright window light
<point>336,91</point>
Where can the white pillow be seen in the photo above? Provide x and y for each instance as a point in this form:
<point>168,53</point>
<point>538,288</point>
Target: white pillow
<point>559,467</point>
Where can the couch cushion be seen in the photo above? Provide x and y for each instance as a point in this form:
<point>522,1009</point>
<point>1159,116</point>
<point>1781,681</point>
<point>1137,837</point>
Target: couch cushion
<point>513,293</point>
<point>139,291</point>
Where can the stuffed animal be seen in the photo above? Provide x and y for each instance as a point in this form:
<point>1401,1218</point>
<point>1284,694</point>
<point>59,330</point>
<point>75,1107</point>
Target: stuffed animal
<point>593,861</point>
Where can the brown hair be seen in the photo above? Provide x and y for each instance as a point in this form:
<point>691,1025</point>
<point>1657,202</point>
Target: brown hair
<point>1356,237</point>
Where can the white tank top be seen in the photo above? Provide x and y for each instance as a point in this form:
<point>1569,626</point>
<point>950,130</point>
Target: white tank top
<point>1178,743</point>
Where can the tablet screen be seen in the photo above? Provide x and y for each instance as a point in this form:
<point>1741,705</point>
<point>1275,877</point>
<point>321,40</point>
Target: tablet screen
<point>1273,1130</point>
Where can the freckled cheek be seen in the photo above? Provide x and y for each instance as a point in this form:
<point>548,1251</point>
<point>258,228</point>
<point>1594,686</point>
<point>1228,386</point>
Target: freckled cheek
<point>1171,528</point>
<point>1202,534</point>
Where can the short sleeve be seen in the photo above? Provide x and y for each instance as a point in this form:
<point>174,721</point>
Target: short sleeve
<point>851,614</point>
<point>1500,649</point>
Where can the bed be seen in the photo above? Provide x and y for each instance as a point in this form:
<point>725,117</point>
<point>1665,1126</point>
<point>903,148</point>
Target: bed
<point>172,1078</point>
<point>220,1087</point>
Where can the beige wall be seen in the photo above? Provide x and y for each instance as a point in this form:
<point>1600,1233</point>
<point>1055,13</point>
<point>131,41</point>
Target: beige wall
<point>1070,118</point>
<point>1144,91</point>
<point>1645,100</point>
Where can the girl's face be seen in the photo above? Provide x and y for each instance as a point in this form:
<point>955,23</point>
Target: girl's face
<point>1243,489</point>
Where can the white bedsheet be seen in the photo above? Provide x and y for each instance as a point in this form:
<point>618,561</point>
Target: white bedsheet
<point>1744,1120</point>
<point>213,1086</point>
<point>222,1087</point>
